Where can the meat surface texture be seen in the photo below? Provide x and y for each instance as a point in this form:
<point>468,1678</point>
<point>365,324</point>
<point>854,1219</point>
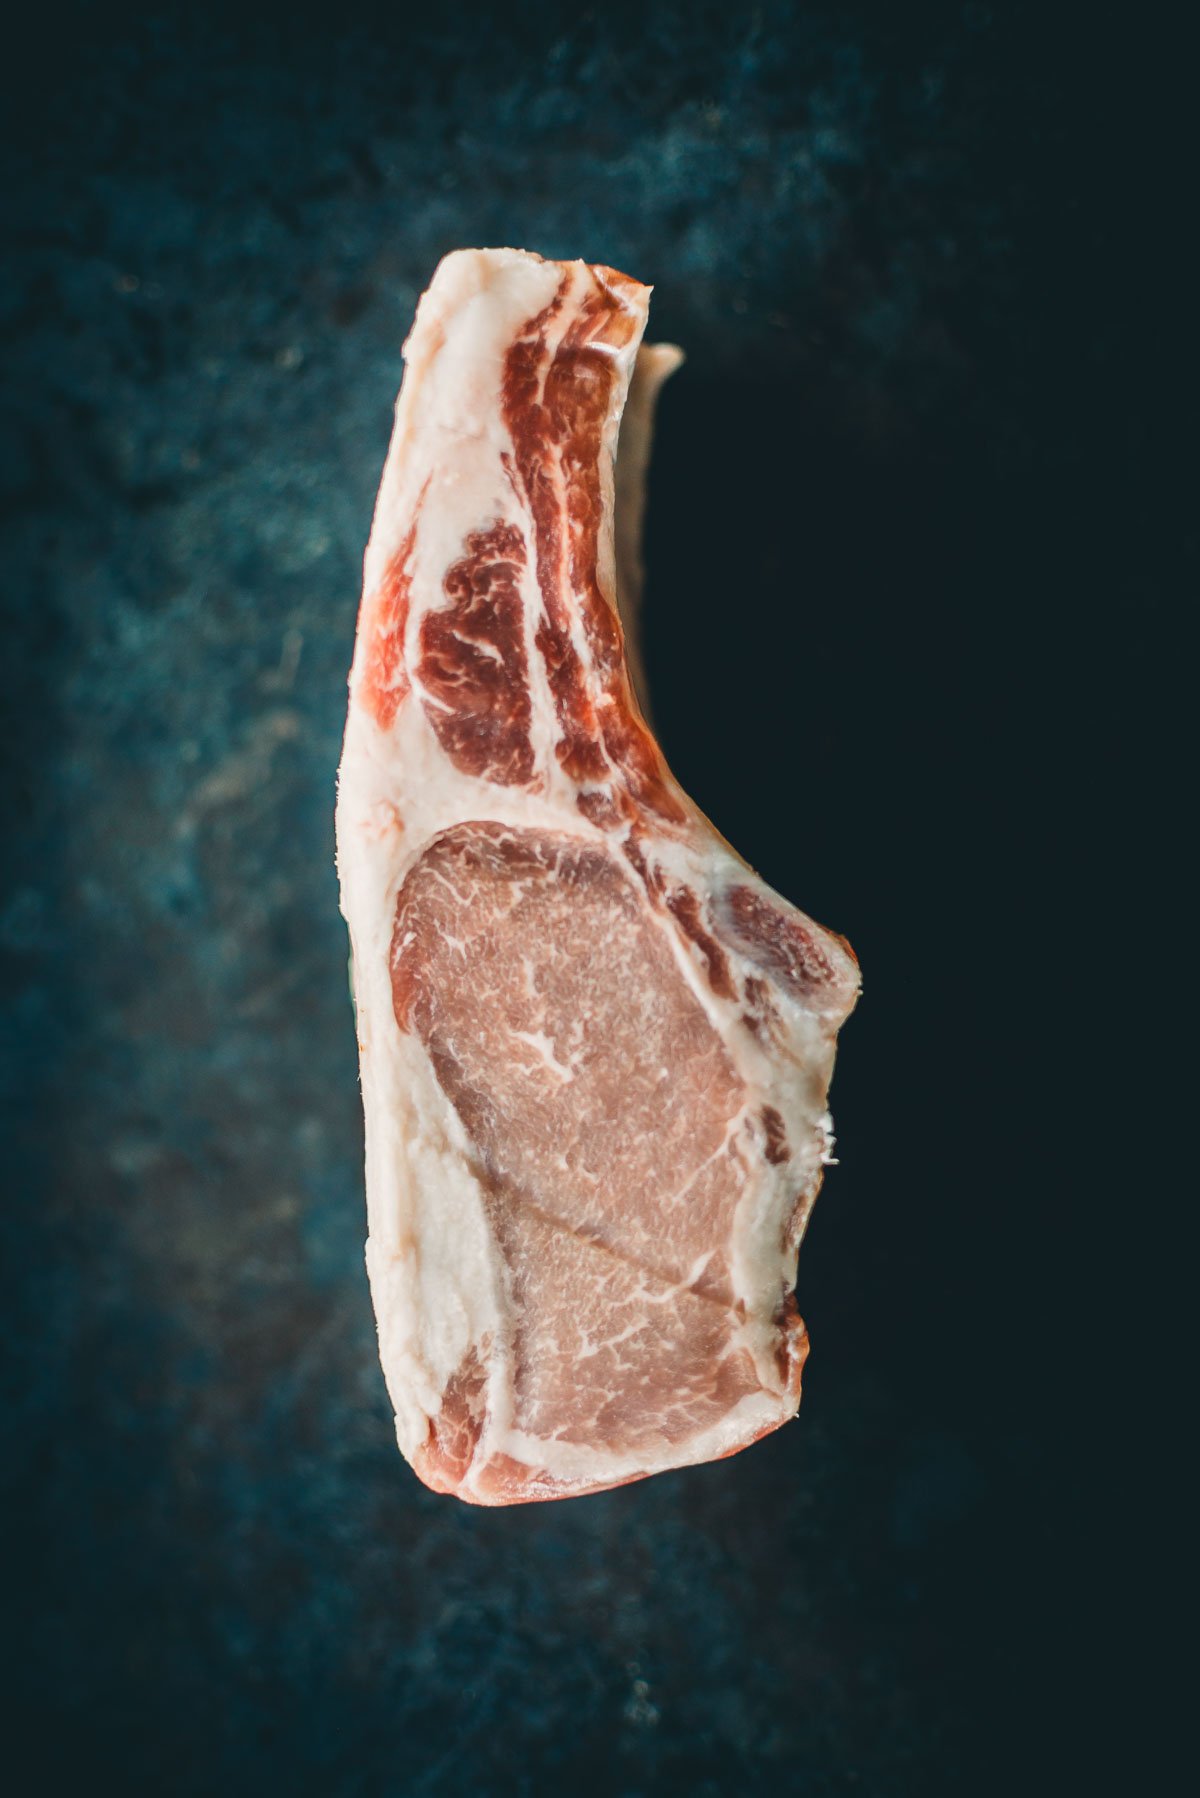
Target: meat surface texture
<point>596,1047</point>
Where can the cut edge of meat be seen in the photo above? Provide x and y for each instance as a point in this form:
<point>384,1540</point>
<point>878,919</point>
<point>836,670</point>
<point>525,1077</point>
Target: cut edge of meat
<point>656,363</point>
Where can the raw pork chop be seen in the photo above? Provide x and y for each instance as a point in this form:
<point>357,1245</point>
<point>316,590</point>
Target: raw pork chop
<point>595,1046</point>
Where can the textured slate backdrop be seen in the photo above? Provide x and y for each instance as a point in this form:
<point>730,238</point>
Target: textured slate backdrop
<point>897,479</point>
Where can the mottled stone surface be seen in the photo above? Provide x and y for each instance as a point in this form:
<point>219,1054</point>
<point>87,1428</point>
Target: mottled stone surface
<point>861,224</point>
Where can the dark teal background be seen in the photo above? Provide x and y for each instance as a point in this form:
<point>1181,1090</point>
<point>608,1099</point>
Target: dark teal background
<point>898,509</point>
